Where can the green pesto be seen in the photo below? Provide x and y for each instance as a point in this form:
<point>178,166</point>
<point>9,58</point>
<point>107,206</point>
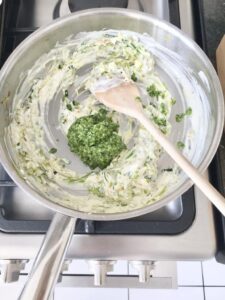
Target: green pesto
<point>95,139</point>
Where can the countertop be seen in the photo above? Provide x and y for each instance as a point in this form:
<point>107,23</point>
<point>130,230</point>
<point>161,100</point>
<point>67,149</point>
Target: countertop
<point>214,23</point>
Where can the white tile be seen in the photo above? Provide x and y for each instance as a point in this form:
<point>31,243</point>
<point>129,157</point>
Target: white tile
<point>189,273</point>
<point>90,294</point>
<point>214,273</point>
<point>215,293</point>
<point>183,293</point>
<point>81,267</point>
<point>10,291</point>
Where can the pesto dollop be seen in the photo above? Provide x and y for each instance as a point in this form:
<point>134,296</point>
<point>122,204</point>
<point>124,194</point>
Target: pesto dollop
<point>94,138</point>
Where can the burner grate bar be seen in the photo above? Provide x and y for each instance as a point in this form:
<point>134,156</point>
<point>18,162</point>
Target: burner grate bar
<point>21,30</point>
<point>7,183</point>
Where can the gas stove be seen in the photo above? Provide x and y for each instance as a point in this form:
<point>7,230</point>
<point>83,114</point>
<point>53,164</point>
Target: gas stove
<point>185,229</point>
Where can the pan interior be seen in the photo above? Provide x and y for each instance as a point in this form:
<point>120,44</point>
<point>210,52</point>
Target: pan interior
<point>183,85</point>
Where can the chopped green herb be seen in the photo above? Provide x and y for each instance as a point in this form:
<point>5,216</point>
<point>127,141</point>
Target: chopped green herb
<point>69,107</point>
<point>138,99</point>
<point>95,139</point>
<point>130,154</point>
<point>75,103</point>
<point>60,66</point>
<point>153,104</point>
<point>180,145</point>
<point>173,101</point>
<point>164,130</point>
<point>189,111</point>
<point>163,109</point>
<point>168,170</point>
<point>134,77</point>
<point>53,150</point>
<point>96,191</point>
<point>152,91</point>
<point>162,192</point>
<point>135,47</point>
<point>66,94</point>
<point>180,117</point>
<point>17,144</point>
<point>55,172</point>
<point>159,121</point>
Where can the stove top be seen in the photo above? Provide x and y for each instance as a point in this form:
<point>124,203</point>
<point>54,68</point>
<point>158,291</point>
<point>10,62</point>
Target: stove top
<point>173,232</point>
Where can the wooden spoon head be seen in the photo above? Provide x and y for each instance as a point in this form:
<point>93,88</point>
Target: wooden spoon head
<point>124,98</point>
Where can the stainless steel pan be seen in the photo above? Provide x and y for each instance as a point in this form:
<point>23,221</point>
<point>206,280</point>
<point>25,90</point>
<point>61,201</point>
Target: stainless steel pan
<point>207,123</point>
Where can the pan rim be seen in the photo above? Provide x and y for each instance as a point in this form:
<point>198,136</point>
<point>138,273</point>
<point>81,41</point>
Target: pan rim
<point>34,37</point>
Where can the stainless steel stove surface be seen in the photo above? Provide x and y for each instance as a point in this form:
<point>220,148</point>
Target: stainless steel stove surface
<point>184,229</point>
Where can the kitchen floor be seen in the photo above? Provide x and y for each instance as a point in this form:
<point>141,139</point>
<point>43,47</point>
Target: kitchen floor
<point>196,280</point>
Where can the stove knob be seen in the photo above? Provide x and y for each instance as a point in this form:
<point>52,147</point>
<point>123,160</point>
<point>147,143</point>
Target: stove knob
<point>100,269</point>
<point>10,269</point>
<point>144,268</point>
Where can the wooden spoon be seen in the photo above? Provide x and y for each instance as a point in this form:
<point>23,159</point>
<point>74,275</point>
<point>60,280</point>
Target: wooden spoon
<point>123,98</point>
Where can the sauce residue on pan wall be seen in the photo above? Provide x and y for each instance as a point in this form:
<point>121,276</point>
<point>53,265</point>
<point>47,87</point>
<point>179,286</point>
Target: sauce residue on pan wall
<point>55,92</point>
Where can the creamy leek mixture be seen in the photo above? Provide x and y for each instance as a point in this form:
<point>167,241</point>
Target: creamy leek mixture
<point>54,95</point>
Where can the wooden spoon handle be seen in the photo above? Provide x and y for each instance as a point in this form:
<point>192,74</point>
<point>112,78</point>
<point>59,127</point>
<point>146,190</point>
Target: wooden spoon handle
<point>203,184</point>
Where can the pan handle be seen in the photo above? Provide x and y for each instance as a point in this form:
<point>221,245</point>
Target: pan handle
<point>49,260</point>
